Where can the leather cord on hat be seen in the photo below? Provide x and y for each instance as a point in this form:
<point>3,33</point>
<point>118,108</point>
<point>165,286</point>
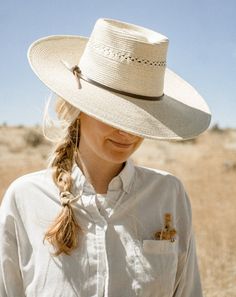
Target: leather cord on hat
<point>78,74</point>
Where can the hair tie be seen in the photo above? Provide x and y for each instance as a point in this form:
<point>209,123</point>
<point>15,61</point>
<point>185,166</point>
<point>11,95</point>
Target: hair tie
<point>67,198</point>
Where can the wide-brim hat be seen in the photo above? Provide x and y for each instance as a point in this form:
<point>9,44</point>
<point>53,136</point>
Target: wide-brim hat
<point>119,76</point>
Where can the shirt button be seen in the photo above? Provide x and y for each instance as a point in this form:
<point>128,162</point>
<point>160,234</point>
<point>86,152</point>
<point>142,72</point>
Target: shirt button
<point>131,261</point>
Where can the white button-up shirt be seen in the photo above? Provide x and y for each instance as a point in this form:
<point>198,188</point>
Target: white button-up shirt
<point>117,254</point>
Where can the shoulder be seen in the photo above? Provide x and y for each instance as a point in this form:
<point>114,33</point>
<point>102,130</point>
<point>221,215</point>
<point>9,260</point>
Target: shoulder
<point>157,176</point>
<point>32,179</point>
<point>164,187</point>
<point>26,186</point>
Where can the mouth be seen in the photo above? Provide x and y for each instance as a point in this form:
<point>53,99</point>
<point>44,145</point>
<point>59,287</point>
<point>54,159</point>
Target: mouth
<point>122,145</point>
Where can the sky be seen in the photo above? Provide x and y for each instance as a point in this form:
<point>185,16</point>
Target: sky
<point>202,47</point>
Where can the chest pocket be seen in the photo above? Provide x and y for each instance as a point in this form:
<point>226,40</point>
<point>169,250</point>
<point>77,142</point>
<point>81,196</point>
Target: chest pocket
<point>156,268</point>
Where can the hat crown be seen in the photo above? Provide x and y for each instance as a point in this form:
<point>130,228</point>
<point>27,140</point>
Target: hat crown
<point>126,57</point>
<point>129,37</point>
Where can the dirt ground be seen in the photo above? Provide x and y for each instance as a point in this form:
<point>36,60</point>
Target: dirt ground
<point>206,166</point>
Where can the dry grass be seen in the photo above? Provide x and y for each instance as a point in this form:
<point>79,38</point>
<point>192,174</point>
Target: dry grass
<point>207,167</point>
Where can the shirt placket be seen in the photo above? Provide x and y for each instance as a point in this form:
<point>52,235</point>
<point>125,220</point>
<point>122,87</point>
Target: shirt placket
<point>102,273</point>
<point>106,211</point>
<point>100,220</point>
<point>100,241</point>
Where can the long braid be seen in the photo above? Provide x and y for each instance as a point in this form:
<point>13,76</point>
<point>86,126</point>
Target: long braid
<point>63,233</point>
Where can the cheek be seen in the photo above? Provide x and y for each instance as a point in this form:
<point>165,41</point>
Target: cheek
<point>138,143</point>
<point>97,142</point>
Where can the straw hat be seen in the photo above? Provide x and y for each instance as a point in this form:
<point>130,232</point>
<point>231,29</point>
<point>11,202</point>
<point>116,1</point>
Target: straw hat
<point>119,76</point>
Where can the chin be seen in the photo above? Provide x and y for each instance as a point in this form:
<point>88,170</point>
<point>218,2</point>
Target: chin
<point>118,159</point>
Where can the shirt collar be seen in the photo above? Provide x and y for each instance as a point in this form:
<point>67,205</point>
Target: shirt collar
<point>122,181</point>
<point>127,175</point>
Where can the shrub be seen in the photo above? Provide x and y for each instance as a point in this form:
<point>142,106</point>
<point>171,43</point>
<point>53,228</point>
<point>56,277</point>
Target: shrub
<point>33,138</point>
<point>216,128</point>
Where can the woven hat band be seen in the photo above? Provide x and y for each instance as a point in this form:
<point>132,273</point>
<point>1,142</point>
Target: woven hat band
<point>114,59</point>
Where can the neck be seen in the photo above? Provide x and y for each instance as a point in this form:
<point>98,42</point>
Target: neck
<point>98,172</point>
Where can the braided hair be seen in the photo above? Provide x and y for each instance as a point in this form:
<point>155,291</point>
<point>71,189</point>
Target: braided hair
<point>64,232</point>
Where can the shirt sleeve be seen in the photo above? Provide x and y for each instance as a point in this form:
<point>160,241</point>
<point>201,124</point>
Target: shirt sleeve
<point>11,284</point>
<point>188,283</point>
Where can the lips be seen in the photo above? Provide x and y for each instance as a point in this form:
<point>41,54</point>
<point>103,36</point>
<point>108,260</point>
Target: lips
<point>119,144</point>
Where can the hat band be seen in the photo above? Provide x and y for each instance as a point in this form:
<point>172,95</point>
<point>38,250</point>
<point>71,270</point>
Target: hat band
<point>78,74</point>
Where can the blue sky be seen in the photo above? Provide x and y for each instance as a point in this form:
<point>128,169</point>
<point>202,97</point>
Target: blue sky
<point>202,47</point>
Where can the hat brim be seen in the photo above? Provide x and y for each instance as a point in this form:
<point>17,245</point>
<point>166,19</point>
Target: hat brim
<point>181,114</point>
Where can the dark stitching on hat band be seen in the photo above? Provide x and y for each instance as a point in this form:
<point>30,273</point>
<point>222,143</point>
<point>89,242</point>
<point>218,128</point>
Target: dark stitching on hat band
<point>77,72</point>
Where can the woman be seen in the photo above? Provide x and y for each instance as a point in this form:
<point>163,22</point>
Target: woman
<point>94,224</point>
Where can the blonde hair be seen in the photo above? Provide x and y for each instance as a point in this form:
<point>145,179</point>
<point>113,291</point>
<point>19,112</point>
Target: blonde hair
<point>64,232</point>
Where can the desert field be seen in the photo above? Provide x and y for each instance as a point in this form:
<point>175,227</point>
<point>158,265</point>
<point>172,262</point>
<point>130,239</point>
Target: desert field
<point>207,168</point>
